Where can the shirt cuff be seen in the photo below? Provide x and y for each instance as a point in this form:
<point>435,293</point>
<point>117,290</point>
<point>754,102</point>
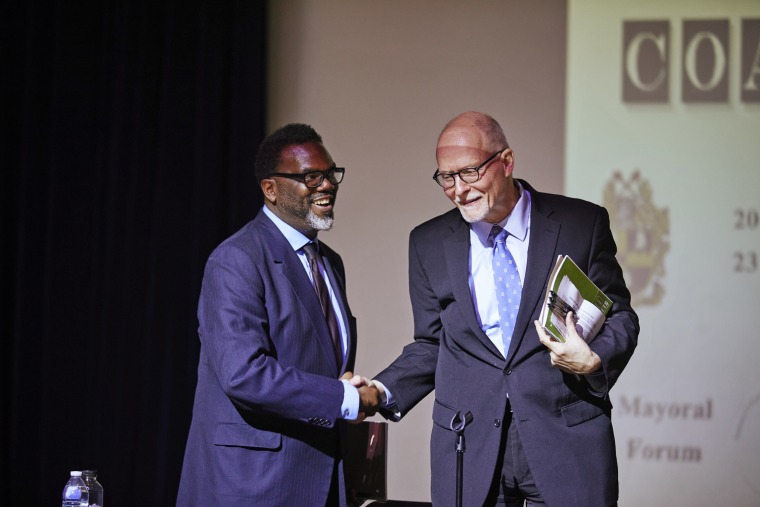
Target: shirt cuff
<point>350,408</point>
<point>385,394</point>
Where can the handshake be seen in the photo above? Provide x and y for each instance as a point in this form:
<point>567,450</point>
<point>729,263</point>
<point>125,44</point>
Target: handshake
<point>371,395</point>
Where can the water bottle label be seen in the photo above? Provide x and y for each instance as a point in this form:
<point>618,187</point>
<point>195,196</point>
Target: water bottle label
<point>73,493</point>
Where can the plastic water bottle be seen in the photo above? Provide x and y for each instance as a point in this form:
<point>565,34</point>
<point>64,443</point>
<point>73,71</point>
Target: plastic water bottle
<point>75,493</point>
<point>95,488</point>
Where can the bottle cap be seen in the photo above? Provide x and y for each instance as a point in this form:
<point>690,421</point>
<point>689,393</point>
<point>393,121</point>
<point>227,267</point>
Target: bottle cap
<point>76,473</point>
<point>90,472</point>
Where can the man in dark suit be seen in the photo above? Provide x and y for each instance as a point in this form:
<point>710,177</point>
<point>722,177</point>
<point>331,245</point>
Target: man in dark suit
<point>541,431</point>
<point>276,334</point>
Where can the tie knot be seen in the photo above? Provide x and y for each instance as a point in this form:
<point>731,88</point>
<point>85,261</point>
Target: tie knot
<point>498,235</point>
<point>311,251</point>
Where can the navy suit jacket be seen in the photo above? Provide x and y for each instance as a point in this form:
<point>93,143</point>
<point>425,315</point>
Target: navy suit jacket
<point>563,424</point>
<point>265,427</point>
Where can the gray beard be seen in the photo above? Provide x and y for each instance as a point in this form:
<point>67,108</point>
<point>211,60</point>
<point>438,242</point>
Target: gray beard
<point>472,218</point>
<point>319,223</point>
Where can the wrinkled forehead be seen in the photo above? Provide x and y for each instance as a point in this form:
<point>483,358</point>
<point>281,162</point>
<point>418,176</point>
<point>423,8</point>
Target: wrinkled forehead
<point>461,147</point>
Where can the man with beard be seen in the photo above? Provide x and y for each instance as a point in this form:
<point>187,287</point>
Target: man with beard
<point>276,334</point>
<point>540,431</point>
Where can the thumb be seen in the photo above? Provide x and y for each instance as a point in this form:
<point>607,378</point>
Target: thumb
<point>572,331</point>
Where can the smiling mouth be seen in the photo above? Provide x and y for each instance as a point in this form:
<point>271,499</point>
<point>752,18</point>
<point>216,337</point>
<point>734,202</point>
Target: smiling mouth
<point>469,201</point>
<point>323,202</point>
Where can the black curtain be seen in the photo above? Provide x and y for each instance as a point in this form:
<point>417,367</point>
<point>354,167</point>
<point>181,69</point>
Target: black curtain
<point>129,131</point>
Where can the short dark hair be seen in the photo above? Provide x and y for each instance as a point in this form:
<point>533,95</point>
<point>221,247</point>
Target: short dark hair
<point>268,157</point>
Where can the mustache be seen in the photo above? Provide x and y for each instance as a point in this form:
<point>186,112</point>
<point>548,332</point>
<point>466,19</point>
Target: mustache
<point>322,195</point>
<point>470,196</point>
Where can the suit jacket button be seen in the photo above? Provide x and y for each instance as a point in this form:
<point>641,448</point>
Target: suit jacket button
<point>507,372</point>
<point>496,423</point>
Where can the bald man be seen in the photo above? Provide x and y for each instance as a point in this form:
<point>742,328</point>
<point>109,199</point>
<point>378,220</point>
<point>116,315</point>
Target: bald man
<point>541,431</point>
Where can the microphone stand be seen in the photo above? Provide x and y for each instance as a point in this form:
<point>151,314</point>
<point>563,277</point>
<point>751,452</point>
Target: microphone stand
<point>458,424</point>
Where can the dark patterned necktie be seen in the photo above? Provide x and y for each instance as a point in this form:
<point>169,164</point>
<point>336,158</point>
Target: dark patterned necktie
<point>315,263</point>
<point>508,286</point>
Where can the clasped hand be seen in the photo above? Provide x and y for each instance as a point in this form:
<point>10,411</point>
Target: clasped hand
<point>370,396</point>
<point>572,356</point>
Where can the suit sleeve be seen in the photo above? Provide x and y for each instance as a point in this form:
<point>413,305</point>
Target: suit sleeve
<point>249,364</point>
<point>411,376</point>
<point>618,337</point>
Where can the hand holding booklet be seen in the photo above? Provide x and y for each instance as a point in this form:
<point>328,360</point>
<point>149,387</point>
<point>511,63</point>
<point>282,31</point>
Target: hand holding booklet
<point>570,290</point>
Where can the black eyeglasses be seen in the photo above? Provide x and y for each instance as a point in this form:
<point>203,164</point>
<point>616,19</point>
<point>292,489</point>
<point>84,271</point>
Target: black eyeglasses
<point>467,174</point>
<point>313,179</point>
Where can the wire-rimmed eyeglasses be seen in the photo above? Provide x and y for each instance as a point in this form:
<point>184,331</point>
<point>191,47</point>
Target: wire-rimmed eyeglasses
<point>313,179</point>
<point>466,174</point>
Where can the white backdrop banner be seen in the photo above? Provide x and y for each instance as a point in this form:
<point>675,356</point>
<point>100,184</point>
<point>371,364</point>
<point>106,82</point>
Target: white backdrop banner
<point>663,128</point>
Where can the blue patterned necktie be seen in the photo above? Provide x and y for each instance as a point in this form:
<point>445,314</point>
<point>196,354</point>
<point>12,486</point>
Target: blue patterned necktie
<point>508,286</point>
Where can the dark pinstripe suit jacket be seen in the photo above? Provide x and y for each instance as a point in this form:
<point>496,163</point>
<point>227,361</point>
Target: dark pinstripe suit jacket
<point>265,427</point>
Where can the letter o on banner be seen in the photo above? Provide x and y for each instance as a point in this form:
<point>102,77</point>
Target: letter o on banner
<point>705,61</point>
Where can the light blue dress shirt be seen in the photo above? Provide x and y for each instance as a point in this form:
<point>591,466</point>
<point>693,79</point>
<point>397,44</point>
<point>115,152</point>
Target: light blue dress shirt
<point>481,280</point>
<point>482,286</point>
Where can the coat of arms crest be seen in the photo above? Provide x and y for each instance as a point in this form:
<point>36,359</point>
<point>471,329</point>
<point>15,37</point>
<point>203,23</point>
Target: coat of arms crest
<point>641,231</point>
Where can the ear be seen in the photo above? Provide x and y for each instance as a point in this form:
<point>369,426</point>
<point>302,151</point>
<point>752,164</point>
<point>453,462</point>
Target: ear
<point>507,158</point>
<point>269,189</point>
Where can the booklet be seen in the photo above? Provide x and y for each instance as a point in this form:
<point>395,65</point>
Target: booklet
<point>569,289</point>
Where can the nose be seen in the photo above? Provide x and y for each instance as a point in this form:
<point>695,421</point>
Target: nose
<point>460,186</point>
<point>326,184</point>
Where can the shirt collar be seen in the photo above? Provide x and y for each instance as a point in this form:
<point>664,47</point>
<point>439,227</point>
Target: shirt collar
<point>296,239</point>
<point>517,222</point>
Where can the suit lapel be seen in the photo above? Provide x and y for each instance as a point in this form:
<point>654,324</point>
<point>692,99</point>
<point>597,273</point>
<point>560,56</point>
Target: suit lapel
<point>288,267</point>
<point>338,285</point>
<point>542,254</point>
<point>457,252</point>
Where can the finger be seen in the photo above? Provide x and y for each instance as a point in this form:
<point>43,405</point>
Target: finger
<point>380,388</point>
<point>543,336</point>
<point>359,381</point>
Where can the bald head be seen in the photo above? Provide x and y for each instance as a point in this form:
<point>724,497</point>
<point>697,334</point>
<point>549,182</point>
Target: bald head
<point>477,129</point>
<point>475,142</point>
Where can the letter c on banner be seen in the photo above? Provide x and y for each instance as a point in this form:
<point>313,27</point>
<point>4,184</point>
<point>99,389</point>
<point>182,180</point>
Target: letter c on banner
<point>632,60</point>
